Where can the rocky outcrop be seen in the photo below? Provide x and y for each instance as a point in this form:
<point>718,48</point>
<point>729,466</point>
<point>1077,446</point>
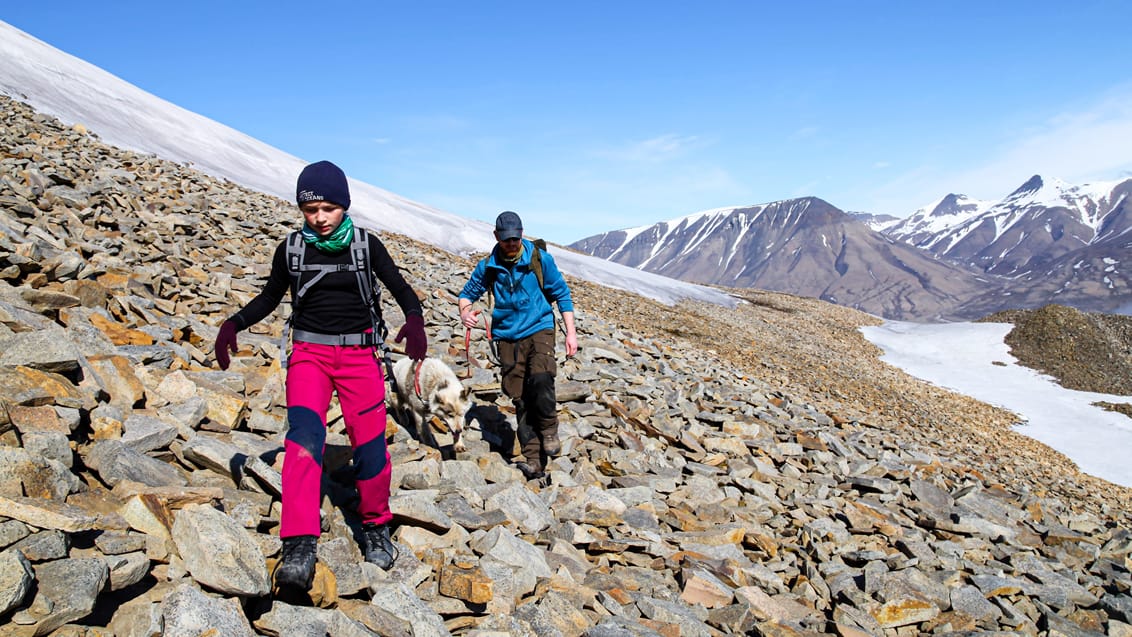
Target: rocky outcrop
<point>1083,351</point>
<point>723,472</point>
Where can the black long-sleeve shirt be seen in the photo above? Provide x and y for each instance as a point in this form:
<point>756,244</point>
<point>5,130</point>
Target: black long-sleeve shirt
<point>334,304</point>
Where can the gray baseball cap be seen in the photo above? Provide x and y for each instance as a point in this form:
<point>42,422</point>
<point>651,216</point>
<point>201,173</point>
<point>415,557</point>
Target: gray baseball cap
<point>508,225</point>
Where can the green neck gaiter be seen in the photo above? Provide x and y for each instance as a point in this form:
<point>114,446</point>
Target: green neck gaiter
<point>336,242</point>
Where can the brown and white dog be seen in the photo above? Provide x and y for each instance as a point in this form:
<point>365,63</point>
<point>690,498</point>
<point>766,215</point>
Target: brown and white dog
<point>431,393</point>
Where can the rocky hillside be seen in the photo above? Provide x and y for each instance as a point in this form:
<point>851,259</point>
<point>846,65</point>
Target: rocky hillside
<point>754,471</point>
<point>1083,351</point>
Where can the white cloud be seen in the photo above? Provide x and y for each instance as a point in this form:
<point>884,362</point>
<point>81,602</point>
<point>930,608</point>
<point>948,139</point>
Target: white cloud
<point>1085,145</point>
<point>806,132</point>
<point>656,149</point>
<point>1082,144</point>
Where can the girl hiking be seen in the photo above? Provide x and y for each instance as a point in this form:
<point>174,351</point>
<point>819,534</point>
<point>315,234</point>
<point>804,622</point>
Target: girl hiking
<point>336,326</point>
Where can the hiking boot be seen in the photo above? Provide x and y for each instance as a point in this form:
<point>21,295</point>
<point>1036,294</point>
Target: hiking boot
<point>379,549</point>
<point>529,472</point>
<point>550,446</point>
<point>296,568</point>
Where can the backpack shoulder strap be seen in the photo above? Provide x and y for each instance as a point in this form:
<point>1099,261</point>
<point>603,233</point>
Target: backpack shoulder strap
<point>296,265</point>
<point>295,252</point>
<point>536,267</point>
<point>489,275</point>
<point>536,262</point>
<point>359,253</point>
<point>367,284</point>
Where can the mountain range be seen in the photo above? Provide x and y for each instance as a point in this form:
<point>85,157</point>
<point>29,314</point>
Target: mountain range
<point>958,258</point>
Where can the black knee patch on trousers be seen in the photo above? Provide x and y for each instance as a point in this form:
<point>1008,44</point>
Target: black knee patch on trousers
<point>522,430</point>
<point>369,459</point>
<point>543,401</point>
<point>305,428</point>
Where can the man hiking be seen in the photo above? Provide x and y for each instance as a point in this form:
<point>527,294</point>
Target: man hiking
<point>522,331</point>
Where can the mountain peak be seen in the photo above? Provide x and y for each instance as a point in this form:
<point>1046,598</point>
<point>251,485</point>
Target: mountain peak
<point>950,199</point>
<point>1032,185</point>
<point>949,205</point>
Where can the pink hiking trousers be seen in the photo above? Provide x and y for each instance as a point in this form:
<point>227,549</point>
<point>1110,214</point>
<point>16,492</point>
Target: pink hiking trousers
<point>314,372</point>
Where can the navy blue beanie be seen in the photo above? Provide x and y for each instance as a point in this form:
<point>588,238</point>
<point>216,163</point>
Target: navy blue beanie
<point>323,181</point>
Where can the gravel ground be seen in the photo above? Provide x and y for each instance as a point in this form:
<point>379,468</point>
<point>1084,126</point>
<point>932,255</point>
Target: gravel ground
<point>814,351</point>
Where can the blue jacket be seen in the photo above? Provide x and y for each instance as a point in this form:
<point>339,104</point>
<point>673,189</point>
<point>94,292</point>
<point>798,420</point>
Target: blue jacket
<point>520,307</point>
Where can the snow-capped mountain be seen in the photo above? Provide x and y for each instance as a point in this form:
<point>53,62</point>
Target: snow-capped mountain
<point>1055,242</point>
<point>959,258</point>
<point>802,246</point>
<point>1041,221</point>
<point>926,224</point>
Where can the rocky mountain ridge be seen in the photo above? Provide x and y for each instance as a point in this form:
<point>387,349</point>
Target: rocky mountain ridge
<point>1052,242</point>
<point>750,471</point>
<point>957,259</point>
<point>800,246</point>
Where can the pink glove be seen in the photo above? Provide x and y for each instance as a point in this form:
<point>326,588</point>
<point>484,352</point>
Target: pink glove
<point>412,332</point>
<point>225,342</point>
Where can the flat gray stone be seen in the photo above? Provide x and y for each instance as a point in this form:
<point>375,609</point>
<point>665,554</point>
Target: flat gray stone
<point>16,579</point>
<point>219,553</point>
<point>67,590</point>
<point>189,612</point>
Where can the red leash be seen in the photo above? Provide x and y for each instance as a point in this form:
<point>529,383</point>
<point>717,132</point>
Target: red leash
<point>417,378</point>
<point>468,343</point>
<point>468,349</point>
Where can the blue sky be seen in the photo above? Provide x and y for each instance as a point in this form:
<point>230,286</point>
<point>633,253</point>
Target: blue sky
<point>586,116</point>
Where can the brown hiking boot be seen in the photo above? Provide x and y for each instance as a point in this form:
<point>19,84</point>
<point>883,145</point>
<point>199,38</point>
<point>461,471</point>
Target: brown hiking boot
<point>529,472</point>
<point>550,445</point>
